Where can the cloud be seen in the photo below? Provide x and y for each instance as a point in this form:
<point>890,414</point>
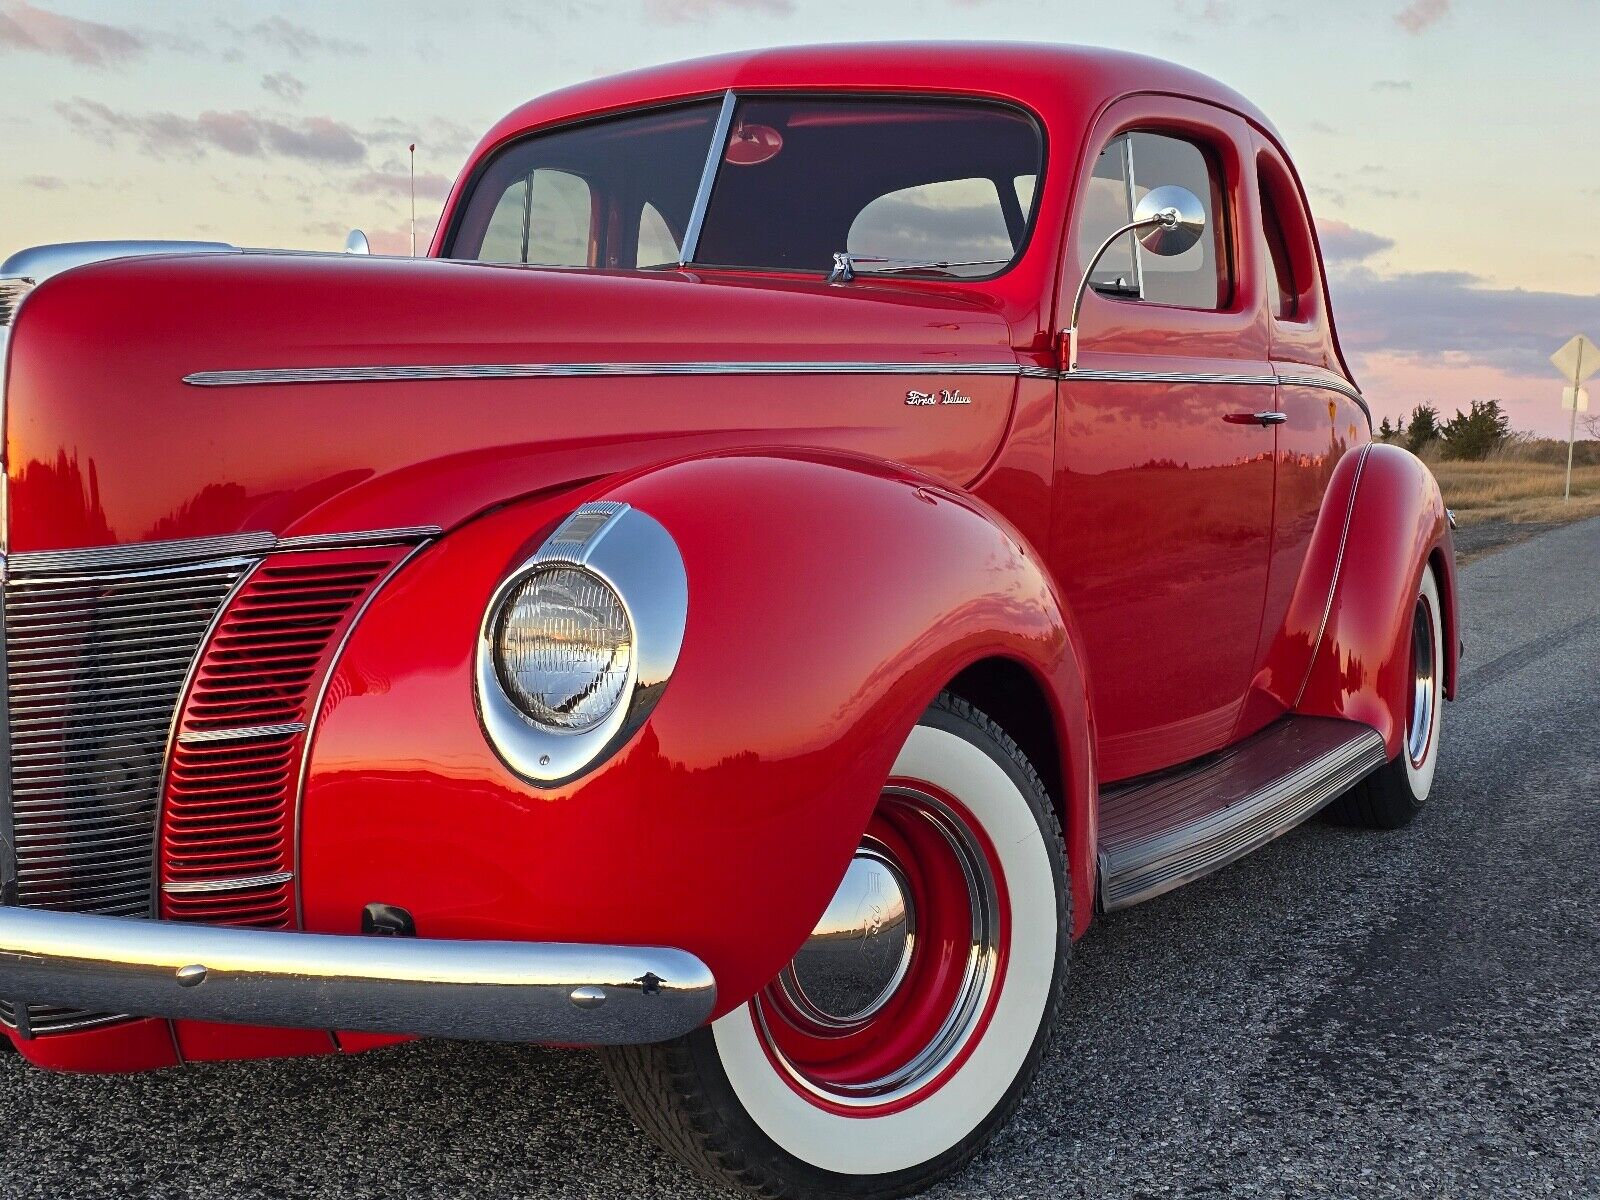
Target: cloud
<point>1209,12</point>
<point>284,86</point>
<point>25,26</point>
<point>434,136</point>
<point>682,11</point>
<point>320,140</point>
<point>1392,85</point>
<point>1453,317</point>
<point>1420,14</point>
<point>45,183</point>
<point>430,186</point>
<point>297,41</point>
<point>1342,243</point>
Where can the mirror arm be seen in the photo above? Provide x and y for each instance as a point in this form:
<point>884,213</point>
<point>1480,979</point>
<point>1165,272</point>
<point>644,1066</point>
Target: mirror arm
<point>1167,217</point>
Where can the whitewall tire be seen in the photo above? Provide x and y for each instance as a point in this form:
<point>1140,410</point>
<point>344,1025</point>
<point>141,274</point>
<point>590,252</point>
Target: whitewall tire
<point>903,1034</point>
<point>1393,795</point>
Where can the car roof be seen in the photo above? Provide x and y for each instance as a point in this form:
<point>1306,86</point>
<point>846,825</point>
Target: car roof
<point>1035,75</point>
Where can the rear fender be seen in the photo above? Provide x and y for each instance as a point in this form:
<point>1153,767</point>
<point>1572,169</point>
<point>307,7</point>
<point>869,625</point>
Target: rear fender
<point>830,599</point>
<point>1397,528</point>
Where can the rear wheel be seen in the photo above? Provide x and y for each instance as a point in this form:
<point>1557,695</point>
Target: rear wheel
<point>1394,794</point>
<point>904,1032</point>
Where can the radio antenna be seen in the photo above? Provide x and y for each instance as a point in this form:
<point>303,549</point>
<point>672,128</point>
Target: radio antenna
<point>413,199</point>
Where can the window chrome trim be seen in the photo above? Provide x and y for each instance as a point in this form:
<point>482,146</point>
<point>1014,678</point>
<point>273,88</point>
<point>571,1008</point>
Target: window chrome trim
<point>708,179</point>
<point>633,554</point>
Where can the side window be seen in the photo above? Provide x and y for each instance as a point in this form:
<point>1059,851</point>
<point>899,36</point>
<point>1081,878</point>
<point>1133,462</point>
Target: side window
<point>542,218</point>
<point>953,220</point>
<point>657,246</point>
<point>1283,292</point>
<point>1127,168</point>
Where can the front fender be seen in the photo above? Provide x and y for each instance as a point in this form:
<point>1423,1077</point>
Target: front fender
<point>1397,528</point>
<point>829,601</point>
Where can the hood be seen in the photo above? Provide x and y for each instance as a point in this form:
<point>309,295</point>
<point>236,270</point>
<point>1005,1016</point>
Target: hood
<point>200,395</point>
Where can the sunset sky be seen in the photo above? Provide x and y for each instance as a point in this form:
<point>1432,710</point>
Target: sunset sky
<point>1451,147</point>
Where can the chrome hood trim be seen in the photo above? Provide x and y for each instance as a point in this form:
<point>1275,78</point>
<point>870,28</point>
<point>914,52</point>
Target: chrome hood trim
<point>38,263</point>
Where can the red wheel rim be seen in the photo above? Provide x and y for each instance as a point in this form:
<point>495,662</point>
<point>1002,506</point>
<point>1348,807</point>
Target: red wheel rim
<point>909,1039</point>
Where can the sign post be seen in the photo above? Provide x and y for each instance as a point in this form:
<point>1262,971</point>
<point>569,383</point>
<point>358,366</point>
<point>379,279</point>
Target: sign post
<point>1577,360</point>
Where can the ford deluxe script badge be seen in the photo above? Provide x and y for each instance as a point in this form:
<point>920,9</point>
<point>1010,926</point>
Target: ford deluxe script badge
<point>944,396</point>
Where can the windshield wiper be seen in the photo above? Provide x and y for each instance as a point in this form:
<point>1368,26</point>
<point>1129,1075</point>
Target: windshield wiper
<point>847,266</point>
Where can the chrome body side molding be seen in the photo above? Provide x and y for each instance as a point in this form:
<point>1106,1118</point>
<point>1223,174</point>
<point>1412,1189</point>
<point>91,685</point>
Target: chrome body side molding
<point>433,373</point>
<point>489,991</point>
<point>1159,834</point>
<point>448,371</point>
<point>1242,379</point>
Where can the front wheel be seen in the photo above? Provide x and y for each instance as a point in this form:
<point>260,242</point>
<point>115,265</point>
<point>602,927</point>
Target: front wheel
<point>904,1032</point>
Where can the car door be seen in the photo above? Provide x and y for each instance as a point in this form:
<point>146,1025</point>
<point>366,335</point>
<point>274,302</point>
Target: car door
<point>1164,473</point>
<point>1324,419</point>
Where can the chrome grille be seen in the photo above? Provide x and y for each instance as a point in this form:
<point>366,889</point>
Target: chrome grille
<point>11,293</point>
<point>96,661</point>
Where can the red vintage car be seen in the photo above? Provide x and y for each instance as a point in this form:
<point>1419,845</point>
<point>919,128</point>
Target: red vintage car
<point>819,526</point>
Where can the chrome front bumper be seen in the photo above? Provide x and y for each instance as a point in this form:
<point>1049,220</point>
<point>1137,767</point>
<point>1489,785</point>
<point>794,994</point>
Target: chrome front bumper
<point>490,991</point>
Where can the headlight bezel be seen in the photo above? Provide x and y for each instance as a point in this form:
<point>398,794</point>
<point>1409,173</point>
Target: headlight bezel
<point>633,555</point>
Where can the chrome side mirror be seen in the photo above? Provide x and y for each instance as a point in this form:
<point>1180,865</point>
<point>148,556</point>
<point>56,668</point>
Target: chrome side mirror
<point>357,243</point>
<point>1169,220</point>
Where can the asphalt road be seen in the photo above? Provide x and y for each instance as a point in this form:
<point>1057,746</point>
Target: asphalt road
<point>1342,1014</point>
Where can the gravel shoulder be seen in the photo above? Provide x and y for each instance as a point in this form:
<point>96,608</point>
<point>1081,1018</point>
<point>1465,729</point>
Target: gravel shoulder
<point>1343,1014</point>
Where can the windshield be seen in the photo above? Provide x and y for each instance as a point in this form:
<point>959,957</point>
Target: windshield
<point>934,187</point>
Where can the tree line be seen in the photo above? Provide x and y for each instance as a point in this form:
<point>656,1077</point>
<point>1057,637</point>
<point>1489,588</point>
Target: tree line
<point>1472,435</point>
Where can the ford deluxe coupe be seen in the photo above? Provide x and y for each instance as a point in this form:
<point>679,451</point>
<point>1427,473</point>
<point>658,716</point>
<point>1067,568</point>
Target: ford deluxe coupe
<point>818,528</point>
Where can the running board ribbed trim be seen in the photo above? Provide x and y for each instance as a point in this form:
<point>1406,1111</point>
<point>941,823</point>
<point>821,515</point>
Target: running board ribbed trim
<point>1159,834</point>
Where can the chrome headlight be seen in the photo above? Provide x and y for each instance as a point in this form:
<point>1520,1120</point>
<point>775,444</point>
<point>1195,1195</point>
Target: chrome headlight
<point>578,643</point>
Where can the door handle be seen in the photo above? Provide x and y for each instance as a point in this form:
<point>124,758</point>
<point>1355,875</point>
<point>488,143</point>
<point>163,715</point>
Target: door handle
<point>1256,418</point>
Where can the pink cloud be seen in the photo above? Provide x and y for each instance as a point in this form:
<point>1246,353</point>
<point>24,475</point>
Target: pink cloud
<point>1394,385</point>
<point>397,238</point>
<point>699,10</point>
<point>1420,14</point>
<point>25,26</point>
<point>311,139</point>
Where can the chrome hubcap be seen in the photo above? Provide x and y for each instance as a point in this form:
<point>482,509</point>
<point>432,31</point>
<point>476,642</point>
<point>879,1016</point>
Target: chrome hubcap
<point>858,954</point>
<point>1424,669</point>
<point>895,981</point>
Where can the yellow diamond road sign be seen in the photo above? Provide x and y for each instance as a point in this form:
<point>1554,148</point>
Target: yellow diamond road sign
<point>1577,360</point>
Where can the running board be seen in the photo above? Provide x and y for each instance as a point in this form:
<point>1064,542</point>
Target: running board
<point>1159,833</point>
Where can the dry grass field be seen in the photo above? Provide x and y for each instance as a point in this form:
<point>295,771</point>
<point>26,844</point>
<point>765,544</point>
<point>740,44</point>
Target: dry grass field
<point>1518,492</point>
